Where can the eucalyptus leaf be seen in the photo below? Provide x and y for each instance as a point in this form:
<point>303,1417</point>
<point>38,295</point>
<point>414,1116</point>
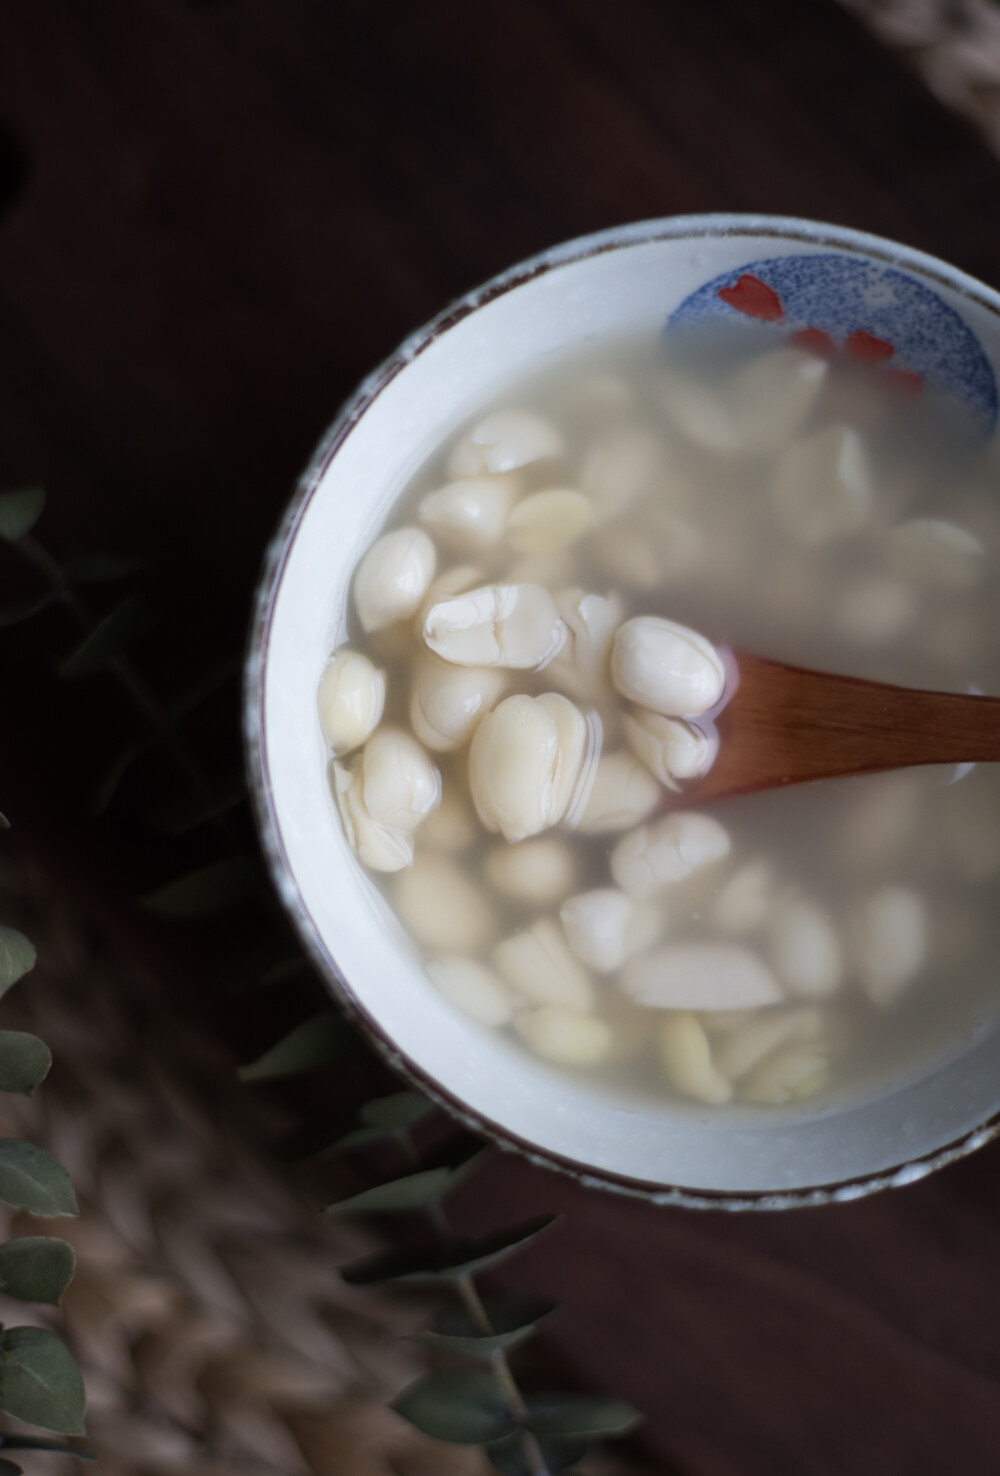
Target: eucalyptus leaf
<point>32,1180</point>
<point>39,1382</point>
<point>444,1263</point>
<point>17,957</point>
<point>178,814</point>
<point>99,568</point>
<point>24,609</point>
<point>37,1268</point>
<point>213,681</point>
<point>327,1137</point>
<point>219,887</point>
<point>20,511</point>
<point>413,1191</point>
<point>109,640</point>
<point>10,1468</point>
<point>401,1110</point>
<point>510,1455</point>
<point>111,779</point>
<point>24,1061</point>
<point>319,1041</point>
<point>513,1320</point>
<point>463,1406</point>
<point>35,1442</point>
<point>264,961</point>
<point>559,1415</point>
<point>4,822</point>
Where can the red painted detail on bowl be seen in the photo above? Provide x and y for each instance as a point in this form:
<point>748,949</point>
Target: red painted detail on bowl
<point>814,341</point>
<point>755,298</point>
<point>867,348</point>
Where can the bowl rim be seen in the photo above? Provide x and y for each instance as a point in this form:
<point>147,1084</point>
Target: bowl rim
<point>677,227</point>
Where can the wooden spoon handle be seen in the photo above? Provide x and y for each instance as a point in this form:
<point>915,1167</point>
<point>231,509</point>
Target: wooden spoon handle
<point>787,725</point>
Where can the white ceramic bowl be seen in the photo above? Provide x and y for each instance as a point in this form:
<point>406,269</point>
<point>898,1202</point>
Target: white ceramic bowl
<point>943,325</point>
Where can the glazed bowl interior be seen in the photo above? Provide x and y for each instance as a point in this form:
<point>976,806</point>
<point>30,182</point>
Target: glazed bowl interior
<point>629,279</point>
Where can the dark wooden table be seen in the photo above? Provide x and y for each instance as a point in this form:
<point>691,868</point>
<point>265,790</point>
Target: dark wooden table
<point>213,220</point>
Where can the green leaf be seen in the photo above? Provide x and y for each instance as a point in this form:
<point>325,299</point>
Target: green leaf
<point>221,886</point>
<point>413,1191</point>
<point>20,511</point>
<point>34,1442</point>
<point>214,680</point>
<point>17,957</point>
<point>37,1268</point>
<point>39,1382</point>
<point>433,1263</point>
<point>400,1110</point>
<point>24,609</point>
<point>513,1320</point>
<point>559,1415</point>
<point>326,1137</point>
<point>264,960</point>
<point>510,1455</point>
<point>319,1041</point>
<point>464,1406</point>
<point>4,822</point>
<point>24,1061</point>
<point>32,1180</point>
<point>178,814</point>
<point>10,1468</point>
<point>99,568</point>
<point>108,641</point>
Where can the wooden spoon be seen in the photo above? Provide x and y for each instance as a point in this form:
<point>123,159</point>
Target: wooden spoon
<point>786,725</point>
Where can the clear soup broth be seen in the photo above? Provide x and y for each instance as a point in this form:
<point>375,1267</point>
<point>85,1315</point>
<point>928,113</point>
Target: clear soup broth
<point>786,951</point>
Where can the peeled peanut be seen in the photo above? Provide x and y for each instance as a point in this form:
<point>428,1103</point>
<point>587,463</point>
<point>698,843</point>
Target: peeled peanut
<point>550,570</point>
<point>823,487</point>
<point>805,949</point>
<point>670,748</point>
<point>623,794</point>
<point>754,410</point>
<point>351,699</point>
<point>539,967</point>
<point>443,910</point>
<point>448,702</point>
<point>579,745</point>
<point>582,667</point>
<point>377,846</point>
<point>605,927</point>
<point>666,667</point>
<point>473,989</point>
<point>687,1059</point>
<point>937,554</point>
<point>787,1076</point>
<point>744,901</point>
<point>667,851</point>
<point>525,762</point>
<point>739,1051</point>
<point>621,466</point>
<point>700,976</point>
<point>502,442</point>
<point>890,942</point>
<point>393,577</point>
<point>452,826</point>
<point>400,784</point>
<point>549,521</point>
<point>514,625</point>
<point>471,513</point>
<point>564,1037</point>
<point>539,871</point>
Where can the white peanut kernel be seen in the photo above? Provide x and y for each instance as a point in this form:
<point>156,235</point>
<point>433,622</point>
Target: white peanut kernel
<point>605,927</point>
<point>804,948</point>
<point>471,513</point>
<point>700,976</point>
<point>472,988</point>
<point>393,577</point>
<point>623,794</point>
<point>788,1076</point>
<point>667,851</point>
<point>687,1059</point>
<point>564,1037</point>
<point>525,762</point>
<point>512,625</point>
<point>539,967</point>
<point>442,908</point>
<point>351,699</point>
<point>377,846</point>
<point>671,749</point>
<point>448,702</point>
<point>823,488</point>
<point>399,783</point>
<point>547,522</point>
<point>503,442</point>
<point>539,872</point>
<point>666,667</point>
<point>890,941</point>
<point>582,667</point>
